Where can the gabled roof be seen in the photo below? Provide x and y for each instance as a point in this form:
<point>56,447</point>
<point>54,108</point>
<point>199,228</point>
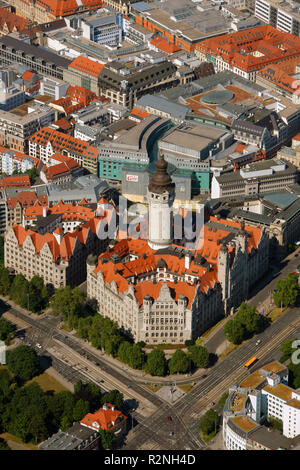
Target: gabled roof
<point>89,66</point>
<point>105,419</point>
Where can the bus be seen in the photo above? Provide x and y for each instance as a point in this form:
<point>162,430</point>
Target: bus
<point>250,362</point>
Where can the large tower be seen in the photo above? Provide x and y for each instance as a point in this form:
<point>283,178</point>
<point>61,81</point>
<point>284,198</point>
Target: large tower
<point>160,194</point>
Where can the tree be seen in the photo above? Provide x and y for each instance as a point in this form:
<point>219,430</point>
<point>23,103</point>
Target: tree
<point>107,439</point>
<point>7,330</point>
<point>287,349</point>
<point>5,280</point>
<point>80,410</point>
<point>209,422</point>
<point>234,332</point>
<point>248,317</point>
<point>114,397</point>
<point>178,363</point>
<point>37,428</point>
<point>136,357</point>
<point>124,351</point>
<point>23,362</point>
<point>189,342</point>
<point>286,291</point>
<point>65,423</point>
<point>199,355</point>
<point>223,399</point>
<point>70,303</point>
<point>156,363</point>
<point>19,290</point>
<point>4,445</point>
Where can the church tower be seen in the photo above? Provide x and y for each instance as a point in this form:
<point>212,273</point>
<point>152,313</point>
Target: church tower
<point>160,195</point>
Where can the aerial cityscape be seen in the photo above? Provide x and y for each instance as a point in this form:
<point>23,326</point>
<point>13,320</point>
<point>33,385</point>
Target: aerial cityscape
<point>149,227</point>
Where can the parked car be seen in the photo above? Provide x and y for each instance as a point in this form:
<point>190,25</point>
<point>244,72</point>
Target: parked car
<point>38,345</point>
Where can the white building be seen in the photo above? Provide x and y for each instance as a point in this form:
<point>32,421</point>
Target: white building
<point>54,87</point>
<point>262,395</point>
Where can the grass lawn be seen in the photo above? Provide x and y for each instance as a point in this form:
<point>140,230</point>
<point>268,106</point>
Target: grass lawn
<point>17,440</point>
<point>153,387</point>
<point>276,313</point>
<point>185,388</point>
<point>228,350</point>
<point>47,382</point>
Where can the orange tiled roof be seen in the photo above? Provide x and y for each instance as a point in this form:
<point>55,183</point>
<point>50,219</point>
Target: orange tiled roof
<point>238,48</point>
<point>26,199</point>
<point>90,67</point>
<point>139,113</point>
<point>63,250</point>
<point>76,98</point>
<point>61,141</point>
<point>104,419</point>
<point>68,211</point>
<point>61,8</point>
<point>22,181</point>
<point>147,261</point>
<point>164,45</point>
<point>276,75</point>
<point>12,21</point>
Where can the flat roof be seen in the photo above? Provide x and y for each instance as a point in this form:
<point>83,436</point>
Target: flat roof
<point>245,423</point>
<point>281,391</point>
<point>193,137</point>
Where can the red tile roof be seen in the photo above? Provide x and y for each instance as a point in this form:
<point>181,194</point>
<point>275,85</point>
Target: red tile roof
<point>12,21</point>
<point>67,245</point>
<point>26,199</point>
<point>15,182</point>
<point>90,67</point>
<point>61,141</point>
<point>238,48</point>
<point>164,45</point>
<point>105,419</point>
<point>61,8</point>
<point>76,98</point>
<point>147,261</point>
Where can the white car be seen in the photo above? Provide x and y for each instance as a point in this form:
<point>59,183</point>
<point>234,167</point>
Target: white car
<point>258,342</point>
<point>38,345</point>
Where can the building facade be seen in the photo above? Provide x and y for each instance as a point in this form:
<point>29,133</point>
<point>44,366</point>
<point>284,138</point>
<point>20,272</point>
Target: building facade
<point>163,292</point>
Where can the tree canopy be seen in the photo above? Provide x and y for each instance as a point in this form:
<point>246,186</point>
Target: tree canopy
<point>199,356</point>
<point>209,422</point>
<point>286,291</point>
<point>179,362</point>
<point>23,362</point>
<point>156,363</point>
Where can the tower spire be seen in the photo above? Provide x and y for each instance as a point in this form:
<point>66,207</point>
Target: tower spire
<point>160,196</point>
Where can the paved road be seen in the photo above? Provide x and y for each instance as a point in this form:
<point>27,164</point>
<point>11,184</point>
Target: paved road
<point>262,291</point>
<point>154,432</point>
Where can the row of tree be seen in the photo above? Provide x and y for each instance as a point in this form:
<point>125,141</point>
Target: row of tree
<point>246,323</point>
<point>105,334</point>
<point>33,294</point>
<point>32,414</point>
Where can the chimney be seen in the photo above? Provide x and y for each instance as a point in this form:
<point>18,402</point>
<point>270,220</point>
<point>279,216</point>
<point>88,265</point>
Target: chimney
<point>59,234</point>
<point>187,260</point>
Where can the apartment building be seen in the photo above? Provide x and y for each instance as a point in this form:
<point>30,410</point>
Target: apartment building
<point>53,87</point>
<point>17,205</point>
<point>11,160</point>
<point>46,142</point>
<point>58,257</point>
<point>264,393</point>
<point>17,128</point>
